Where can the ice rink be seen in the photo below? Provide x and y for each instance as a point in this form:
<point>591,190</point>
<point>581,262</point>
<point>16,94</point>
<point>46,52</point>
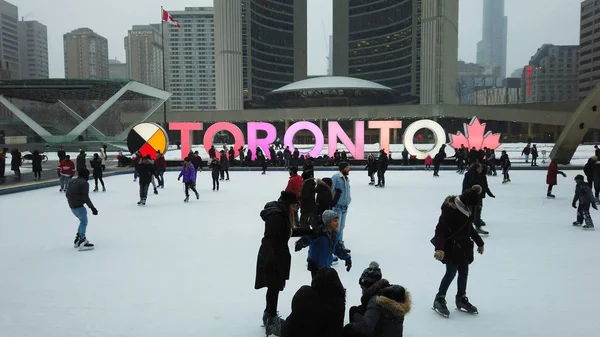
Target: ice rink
<point>175,269</point>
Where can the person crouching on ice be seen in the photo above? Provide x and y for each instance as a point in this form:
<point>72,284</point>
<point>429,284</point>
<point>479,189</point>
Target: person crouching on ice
<point>325,244</point>
<point>583,194</point>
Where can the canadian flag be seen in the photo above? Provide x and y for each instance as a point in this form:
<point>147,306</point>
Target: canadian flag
<point>166,17</point>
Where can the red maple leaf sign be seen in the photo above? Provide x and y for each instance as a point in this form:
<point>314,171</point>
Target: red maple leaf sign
<point>475,137</point>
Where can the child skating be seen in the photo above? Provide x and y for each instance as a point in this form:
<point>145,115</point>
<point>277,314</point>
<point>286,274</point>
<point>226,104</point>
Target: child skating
<point>551,177</point>
<point>215,166</point>
<point>505,164</point>
<point>583,194</point>
<point>428,162</point>
<point>188,172</point>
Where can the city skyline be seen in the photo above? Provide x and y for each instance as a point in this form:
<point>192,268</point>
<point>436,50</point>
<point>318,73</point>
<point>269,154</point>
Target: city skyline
<point>526,32</point>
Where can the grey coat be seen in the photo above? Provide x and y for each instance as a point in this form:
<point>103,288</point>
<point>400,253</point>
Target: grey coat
<point>78,193</point>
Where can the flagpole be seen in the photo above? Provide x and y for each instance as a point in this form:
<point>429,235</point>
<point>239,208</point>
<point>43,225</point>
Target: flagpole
<point>162,33</point>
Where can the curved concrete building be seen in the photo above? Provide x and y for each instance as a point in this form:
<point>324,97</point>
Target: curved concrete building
<point>228,55</point>
<point>277,46</point>
<point>378,40</point>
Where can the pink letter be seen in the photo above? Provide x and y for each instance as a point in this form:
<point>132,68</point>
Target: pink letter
<point>238,136</point>
<point>288,139</point>
<point>357,150</point>
<point>253,142</point>
<point>185,129</point>
<point>384,133</point>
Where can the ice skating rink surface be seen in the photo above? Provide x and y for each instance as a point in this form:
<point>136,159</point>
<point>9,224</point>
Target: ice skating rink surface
<point>176,269</point>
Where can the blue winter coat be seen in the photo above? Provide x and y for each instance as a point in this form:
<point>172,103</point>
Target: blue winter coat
<point>189,174</point>
<point>322,247</point>
<point>342,182</point>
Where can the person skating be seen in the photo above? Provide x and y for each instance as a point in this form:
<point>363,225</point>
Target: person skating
<point>307,198</point>
<point>428,161</point>
<point>295,181</point>
<point>61,153</point>
<point>80,160</point>
<point>597,180</point>
<point>215,167</point>
<point>145,170</point>
<point>309,165</point>
<point>36,165</point>
<point>534,155</point>
<point>491,161</point>
<point>325,196</point>
<point>212,152</point>
<point>16,162</point>
<point>324,244</point>
<point>274,260</point>
<point>526,151</point>
<point>453,242</point>
<point>317,310</point>
<point>224,161</point>
<point>589,169</point>
<point>371,168</point>
<point>438,160</point>
<point>96,165</point>
<point>506,165</point>
<point>583,194</point>
<point>161,168</point>
<point>341,181</point>
<point>551,177</point>
<point>65,171</point>
<point>382,166</point>
<point>188,172</point>
<point>78,195</point>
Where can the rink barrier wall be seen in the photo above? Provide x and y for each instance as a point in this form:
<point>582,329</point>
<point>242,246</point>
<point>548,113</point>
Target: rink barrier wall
<point>33,185</point>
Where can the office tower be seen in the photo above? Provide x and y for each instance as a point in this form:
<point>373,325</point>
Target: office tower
<point>144,55</point>
<point>228,55</point>
<point>9,41</point>
<point>117,69</point>
<point>439,52</point>
<point>589,43</point>
<point>86,54</point>
<point>491,50</point>
<point>33,50</point>
<point>190,59</point>
<point>379,41</point>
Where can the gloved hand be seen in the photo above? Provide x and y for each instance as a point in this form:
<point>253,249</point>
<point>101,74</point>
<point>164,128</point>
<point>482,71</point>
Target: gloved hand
<point>337,190</point>
<point>491,195</point>
<point>564,174</point>
<point>348,264</point>
<point>594,206</point>
<point>178,178</point>
<point>480,250</point>
<point>574,204</point>
<point>94,211</point>
<point>439,255</point>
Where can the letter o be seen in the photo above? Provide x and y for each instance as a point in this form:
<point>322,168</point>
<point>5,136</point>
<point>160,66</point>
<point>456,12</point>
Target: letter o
<point>288,139</point>
<point>439,137</point>
<point>238,136</point>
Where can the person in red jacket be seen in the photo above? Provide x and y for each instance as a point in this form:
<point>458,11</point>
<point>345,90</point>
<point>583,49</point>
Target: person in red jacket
<point>65,171</point>
<point>551,176</point>
<point>295,182</point>
<point>161,167</point>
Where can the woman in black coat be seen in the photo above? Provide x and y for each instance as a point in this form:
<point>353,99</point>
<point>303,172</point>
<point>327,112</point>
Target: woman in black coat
<point>15,163</point>
<point>36,165</point>
<point>307,198</point>
<point>453,241</point>
<point>438,160</point>
<point>325,196</point>
<point>371,168</point>
<point>317,310</point>
<point>96,165</point>
<point>588,169</point>
<point>274,260</point>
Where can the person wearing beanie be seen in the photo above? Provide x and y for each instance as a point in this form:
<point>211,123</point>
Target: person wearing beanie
<point>80,160</point>
<point>78,195</point>
<point>324,245</point>
<point>382,166</point>
<point>382,309</point>
<point>477,175</point>
<point>453,243</point>
<point>438,160</point>
<point>589,169</point>
<point>341,181</point>
<point>371,168</point>
<point>274,261</point>
<point>551,177</point>
<point>583,194</point>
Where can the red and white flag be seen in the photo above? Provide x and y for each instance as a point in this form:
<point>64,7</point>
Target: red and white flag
<point>166,17</point>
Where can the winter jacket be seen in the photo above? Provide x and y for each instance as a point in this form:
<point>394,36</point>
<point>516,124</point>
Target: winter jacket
<point>161,164</point>
<point>212,153</point>
<point>215,167</point>
<point>384,312</point>
<point>307,196</point>
<point>317,311</point>
<point>15,160</point>
<point>342,182</point>
<point>588,169</point>
<point>224,163</point>
<point>96,165</point>
<point>322,248</point>
<point>308,165</point>
<point>440,156</point>
<point>583,194</point>
<point>294,184</point>
<point>66,168</point>
<point>188,174</point>
<point>325,197</point>
<point>145,171</point>
<point>534,152</point>
<point>287,154</point>
<point>597,176</point>
<point>552,174</point>
<point>470,178</point>
<point>526,151</point>
<point>78,193</point>
<point>455,234</point>
<point>505,162</point>
<point>274,260</point>
<point>36,162</point>
<point>382,162</point>
<point>428,160</point>
<point>197,162</point>
<point>61,154</point>
<point>371,166</point>
<point>80,161</point>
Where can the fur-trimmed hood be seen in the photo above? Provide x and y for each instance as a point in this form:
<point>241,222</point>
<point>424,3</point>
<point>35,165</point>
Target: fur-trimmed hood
<point>323,187</point>
<point>308,181</point>
<point>395,308</point>
<point>454,202</point>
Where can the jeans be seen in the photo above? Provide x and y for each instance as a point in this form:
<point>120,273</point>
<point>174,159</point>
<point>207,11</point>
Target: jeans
<point>144,190</point>
<point>341,211</point>
<point>381,177</point>
<point>81,214</point>
<point>64,182</point>
<point>583,214</point>
<point>463,275</point>
<point>286,162</point>
<point>190,186</point>
<point>161,178</point>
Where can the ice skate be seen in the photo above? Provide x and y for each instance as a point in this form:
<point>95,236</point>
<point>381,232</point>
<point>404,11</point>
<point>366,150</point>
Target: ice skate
<point>439,306</point>
<point>76,241</point>
<point>155,191</point>
<point>139,203</point>
<point>186,199</point>
<point>103,189</point>
<point>481,232</point>
<point>96,189</point>
<point>197,196</point>
<point>377,185</point>
<point>575,223</point>
<point>61,190</point>
<point>143,202</point>
<point>372,183</point>
<point>463,304</point>
<point>504,181</point>
<point>550,196</point>
<point>273,325</point>
<point>588,227</point>
<point>84,244</point>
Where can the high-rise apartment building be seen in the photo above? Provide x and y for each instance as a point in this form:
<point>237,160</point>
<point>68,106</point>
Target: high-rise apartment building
<point>228,55</point>
<point>117,69</point>
<point>9,41</point>
<point>491,50</point>
<point>190,59</point>
<point>144,55</point>
<point>551,75</point>
<point>86,54</point>
<point>439,51</point>
<point>277,49</point>
<point>33,50</point>
<point>589,43</point>
<point>379,41</point>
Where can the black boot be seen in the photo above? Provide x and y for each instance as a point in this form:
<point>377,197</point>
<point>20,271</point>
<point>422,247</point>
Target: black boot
<point>439,306</point>
<point>463,304</point>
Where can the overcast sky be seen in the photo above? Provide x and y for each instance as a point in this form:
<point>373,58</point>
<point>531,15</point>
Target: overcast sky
<point>531,23</point>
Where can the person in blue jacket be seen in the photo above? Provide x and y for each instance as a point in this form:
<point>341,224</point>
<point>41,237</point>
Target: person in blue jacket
<point>341,181</point>
<point>325,244</point>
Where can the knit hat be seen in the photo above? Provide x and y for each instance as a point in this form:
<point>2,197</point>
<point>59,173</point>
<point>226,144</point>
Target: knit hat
<point>327,181</point>
<point>343,165</point>
<point>594,158</point>
<point>579,177</point>
<point>307,174</point>
<point>293,169</point>
<point>328,216</point>
<point>370,275</point>
<point>470,197</point>
<point>288,198</point>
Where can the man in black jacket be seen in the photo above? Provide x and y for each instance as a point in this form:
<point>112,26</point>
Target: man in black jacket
<point>146,170</point>
<point>78,195</point>
<point>80,161</point>
<point>382,165</point>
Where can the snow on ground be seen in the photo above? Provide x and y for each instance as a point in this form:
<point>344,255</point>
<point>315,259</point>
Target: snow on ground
<point>175,269</point>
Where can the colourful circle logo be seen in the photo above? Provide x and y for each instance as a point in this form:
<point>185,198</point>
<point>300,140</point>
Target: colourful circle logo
<point>147,138</point>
